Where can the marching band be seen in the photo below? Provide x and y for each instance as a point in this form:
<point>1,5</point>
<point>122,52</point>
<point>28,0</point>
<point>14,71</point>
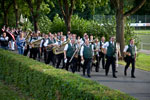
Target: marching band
<point>74,52</point>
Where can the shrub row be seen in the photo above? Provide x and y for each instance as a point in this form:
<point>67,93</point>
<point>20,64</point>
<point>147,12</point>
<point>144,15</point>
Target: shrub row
<point>44,82</point>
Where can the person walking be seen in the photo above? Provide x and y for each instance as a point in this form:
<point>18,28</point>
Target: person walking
<point>20,43</point>
<point>130,52</point>
<point>110,50</point>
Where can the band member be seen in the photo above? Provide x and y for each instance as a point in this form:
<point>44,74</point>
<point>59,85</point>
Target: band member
<point>130,52</point>
<point>68,54</point>
<point>43,45</point>
<point>96,54</point>
<point>101,53</point>
<point>20,43</point>
<point>118,54</point>
<point>59,36</point>
<point>110,50</point>
<point>60,57</point>
<point>4,41</point>
<point>27,47</point>
<point>86,54</point>
<point>34,51</point>
<point>91,39</point>
<point>50,45</point>
<point>79,44</point>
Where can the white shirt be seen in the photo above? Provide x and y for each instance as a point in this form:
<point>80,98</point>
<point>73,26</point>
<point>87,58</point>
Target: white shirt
<point>82,48</point>
<point>106,45</point>
<point>126,48</point>
<point>45,43</point>
<point>66,47</point>
<point>59,42</point>
<point>102,43</point>
<point>97,47</point>
<point>4,39</point>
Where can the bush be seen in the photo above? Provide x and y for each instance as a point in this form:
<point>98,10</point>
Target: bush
<point>44,82</point>
<point>58,25</point>
<point>44,24</point>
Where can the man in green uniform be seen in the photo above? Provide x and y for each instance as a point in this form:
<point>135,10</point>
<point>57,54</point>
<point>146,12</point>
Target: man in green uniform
<point>130,52</point>
<point>68,53</point>
<point>86,54</point>
<point>110,48</point>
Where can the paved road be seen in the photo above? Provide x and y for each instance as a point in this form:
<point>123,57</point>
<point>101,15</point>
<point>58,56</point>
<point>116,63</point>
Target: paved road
<point>138,87</point>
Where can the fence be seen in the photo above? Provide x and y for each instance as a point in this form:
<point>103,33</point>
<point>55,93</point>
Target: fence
<point>145,46</point>
<point>140,21</point>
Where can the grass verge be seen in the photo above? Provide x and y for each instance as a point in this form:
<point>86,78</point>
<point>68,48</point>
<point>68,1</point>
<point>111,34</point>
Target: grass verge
<point>142,31</point>
<point>142,62</point>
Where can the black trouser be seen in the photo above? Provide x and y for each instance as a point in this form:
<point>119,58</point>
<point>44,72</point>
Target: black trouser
<point>51,57</point>
<point>73,64</point>
<point>128,61</point>
<point>102,56</point>
<point>34,52</point>
<point>97,63</point>
<point>110,61</point>
<point>26,51</point>
<point>78,63</point>
<point>60,58</point>
<point>87,65</point>
<point>45,54</point>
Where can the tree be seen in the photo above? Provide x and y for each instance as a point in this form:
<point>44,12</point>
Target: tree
<point>16,12</point>
<point>34,7</point>
<point>5,5</point>
<point>120,17</point>
<point>67,7</point>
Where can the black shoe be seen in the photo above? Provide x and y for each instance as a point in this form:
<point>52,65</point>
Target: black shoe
<point>125,73</point>
<point>114,76</point>
<point>133,76</point>
<point>116,71</point>
<point>89,75</point>
<point>97,70</point>
<point>106,74</point>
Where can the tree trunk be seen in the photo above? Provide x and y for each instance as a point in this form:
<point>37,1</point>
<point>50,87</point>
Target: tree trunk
<point>34,18</point>
<point>120,27</point>
<point>5,18</point>
<point>68,23</point>
<point>16,13</point>
<point>5,13</point>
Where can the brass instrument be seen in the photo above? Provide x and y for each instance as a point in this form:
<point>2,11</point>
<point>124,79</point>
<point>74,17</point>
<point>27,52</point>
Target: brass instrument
<point>94,59</point>
<point>28,35</point>
<point>60,49</point>
<point>49,47</point>
<point>36,43</point>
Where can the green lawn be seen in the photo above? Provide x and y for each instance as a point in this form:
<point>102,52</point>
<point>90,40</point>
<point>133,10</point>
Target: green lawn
<point>142,31</point>
<point>6,93</point>
<point>142,62</point>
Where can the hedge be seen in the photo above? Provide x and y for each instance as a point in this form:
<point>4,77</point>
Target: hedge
<point>44,82</point>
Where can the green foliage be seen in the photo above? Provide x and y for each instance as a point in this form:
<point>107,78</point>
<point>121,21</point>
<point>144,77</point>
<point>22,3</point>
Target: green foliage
<point>44,82</point>
<point>129,33</point>
<point>27,25</point>
<point>58,24</point>
<point>44,24</point>
<point>7,94</point>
